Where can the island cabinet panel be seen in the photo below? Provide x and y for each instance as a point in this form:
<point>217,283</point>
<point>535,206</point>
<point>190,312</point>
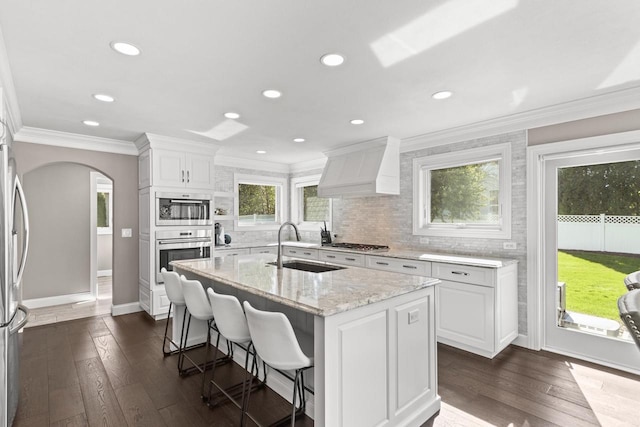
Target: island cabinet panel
<point>376,366</point>
<point>362,376</point>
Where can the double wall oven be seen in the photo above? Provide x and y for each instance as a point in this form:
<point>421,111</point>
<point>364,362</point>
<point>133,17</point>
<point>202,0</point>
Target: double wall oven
<point>183,228</point>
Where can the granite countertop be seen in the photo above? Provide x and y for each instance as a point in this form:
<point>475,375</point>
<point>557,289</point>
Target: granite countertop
<point>321,294</point>
<point>413,254</point>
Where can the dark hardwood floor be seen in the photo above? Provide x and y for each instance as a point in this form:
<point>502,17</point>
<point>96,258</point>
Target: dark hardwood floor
<point>109,371</point>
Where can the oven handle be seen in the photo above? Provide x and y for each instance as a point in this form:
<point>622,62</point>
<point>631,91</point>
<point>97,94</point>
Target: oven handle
<point>190,202</point>
<point>183,243</point>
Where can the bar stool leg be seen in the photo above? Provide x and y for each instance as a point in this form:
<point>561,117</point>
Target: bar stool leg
<point>166,328</point>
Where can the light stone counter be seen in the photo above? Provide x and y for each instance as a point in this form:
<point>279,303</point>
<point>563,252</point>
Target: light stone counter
<point>323,294</point>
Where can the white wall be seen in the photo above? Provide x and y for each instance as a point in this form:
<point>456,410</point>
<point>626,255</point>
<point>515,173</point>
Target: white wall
<point>59,253</point>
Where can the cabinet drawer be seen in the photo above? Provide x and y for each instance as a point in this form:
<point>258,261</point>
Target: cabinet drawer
<point>229,252</point>
<point>343,258</point>
<point>463,273</point>
<point>265,250</point>
<point>417,268</point>
<point>296,252</point>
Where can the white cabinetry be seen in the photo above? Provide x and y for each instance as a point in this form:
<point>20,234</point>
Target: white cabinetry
<point>229,252</point>
<point>265,250</point>
<point>181,169</point>
<point>477,307</point>
<point>296,252</point>
<point>399,265</point>
<point>345,258</point>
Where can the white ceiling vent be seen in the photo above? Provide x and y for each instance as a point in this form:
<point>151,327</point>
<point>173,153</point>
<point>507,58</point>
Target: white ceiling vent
<point>368,168</point>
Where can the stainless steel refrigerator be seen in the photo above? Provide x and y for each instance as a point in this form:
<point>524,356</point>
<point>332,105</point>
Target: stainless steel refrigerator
<point>14,242</point>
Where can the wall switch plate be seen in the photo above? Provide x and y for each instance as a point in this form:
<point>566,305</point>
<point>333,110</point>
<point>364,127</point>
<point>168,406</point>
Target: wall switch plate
<point>424,240</point>
<point>509,245</point>
<point>126,232</point>
<point>414,316</point>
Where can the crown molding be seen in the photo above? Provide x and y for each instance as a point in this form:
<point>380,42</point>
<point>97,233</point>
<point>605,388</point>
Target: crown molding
<point>74,140</point>
<point>307,165</point>
<point>607,103</point>
<point>13,117</point>
<point>168,142</point>
<point>237,162</point>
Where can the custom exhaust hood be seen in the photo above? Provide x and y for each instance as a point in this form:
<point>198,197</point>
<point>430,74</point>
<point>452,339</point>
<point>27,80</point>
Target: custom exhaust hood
<point>368,168</point>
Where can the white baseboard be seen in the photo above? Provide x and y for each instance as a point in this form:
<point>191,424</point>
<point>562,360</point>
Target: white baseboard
<point>522,341</point>
<point>104,273</point>
<point>58,300</point>
<point>120,309</point>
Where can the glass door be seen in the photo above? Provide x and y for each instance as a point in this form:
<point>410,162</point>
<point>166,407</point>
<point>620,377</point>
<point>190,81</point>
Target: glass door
<point>592,226</point>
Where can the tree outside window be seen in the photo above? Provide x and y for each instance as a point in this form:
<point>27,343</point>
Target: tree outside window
<point>104,203</point>
<point>314,208</point>
<point>257,203</point>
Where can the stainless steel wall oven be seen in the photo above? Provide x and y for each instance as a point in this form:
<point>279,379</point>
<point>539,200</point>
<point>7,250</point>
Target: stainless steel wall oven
<point>173,245</point>
<point>183,209</point>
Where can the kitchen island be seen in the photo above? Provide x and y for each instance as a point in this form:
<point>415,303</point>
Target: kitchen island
<point>372,334</point>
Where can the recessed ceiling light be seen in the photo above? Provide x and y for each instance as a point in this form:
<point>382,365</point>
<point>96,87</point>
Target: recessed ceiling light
<point>298,140</point>
<point>104,98</point>
<point>332,59</point>
<point>442,94</point>
<point>91,123</point>
<point>231,115</point>
<point>356,121</point>
<point>272,93</point>
<point>261,152</point>
<point>125,48</point>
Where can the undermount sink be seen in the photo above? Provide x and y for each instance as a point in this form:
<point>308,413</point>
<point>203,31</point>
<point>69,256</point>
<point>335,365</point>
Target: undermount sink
<point>311,267</point>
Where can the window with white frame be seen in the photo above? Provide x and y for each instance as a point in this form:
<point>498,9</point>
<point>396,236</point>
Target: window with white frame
<point>309,211</point>
<point>260,201</point>
<point>464,193</point>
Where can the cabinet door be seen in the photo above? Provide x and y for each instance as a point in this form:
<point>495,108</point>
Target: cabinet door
<point>336,257</point>
<point>169,168</point>
<point>465,315</point>
<point>297,252</point>
<point>199,171</point>
<point>265,250</point>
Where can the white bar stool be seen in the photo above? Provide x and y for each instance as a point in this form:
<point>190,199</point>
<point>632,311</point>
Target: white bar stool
<point>232,325</point>
<point>276,344</point>
<point>199,307</point>
<point>173,287</point>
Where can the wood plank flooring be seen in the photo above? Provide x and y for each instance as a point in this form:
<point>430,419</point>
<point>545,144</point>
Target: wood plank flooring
<point>109,371</point>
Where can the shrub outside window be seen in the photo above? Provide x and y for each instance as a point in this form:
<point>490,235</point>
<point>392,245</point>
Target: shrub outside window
<point>104,220</point>
<point>464,194</point>
<point>259,201</point>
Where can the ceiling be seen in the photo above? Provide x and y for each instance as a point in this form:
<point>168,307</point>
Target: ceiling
<point>203,58</point>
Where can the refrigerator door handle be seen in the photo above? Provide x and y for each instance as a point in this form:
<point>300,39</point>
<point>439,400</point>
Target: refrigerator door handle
<point>25,216</point>
<point>24,320</point>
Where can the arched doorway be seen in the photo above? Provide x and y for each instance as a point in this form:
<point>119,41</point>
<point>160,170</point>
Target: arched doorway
<point>61,271</point>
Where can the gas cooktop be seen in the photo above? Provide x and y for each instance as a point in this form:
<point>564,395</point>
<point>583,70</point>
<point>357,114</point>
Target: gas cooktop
<point>359,247</point>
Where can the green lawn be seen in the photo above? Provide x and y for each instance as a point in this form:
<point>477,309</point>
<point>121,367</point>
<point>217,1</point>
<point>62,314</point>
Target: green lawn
<point>595,280</point>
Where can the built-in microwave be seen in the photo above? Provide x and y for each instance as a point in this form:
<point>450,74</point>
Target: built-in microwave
<point>174,245</point>
<point>183,209</point>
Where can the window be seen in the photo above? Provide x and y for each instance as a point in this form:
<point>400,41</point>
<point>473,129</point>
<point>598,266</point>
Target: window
<point>259,201</point>
<point>464,194</point>
<point>308,210</point>
<point>104,220</point>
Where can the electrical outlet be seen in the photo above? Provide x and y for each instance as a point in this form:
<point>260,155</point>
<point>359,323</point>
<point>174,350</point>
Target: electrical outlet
<point>509,245</point>
<point>424,240</point>
<point>414,316</point>
<point>126,232</point>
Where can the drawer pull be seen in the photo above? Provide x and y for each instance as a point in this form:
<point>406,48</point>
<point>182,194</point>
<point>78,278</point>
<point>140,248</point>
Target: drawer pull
<point>410,266</point>
<point>382,263</point>
<point>331,256</point>
<point>307,253</point>
<point>292,251</point>
<point>460,273</point>
<point>350,259</point>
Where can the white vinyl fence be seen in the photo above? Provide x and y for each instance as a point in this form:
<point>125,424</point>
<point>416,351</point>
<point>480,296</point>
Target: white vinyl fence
<point>604,233</point>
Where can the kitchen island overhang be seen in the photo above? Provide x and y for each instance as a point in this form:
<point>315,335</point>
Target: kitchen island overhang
<point>372,334</point>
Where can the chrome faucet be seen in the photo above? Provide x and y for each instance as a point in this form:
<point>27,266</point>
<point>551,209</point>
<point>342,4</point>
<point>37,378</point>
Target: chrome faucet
<point>279,260</point>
